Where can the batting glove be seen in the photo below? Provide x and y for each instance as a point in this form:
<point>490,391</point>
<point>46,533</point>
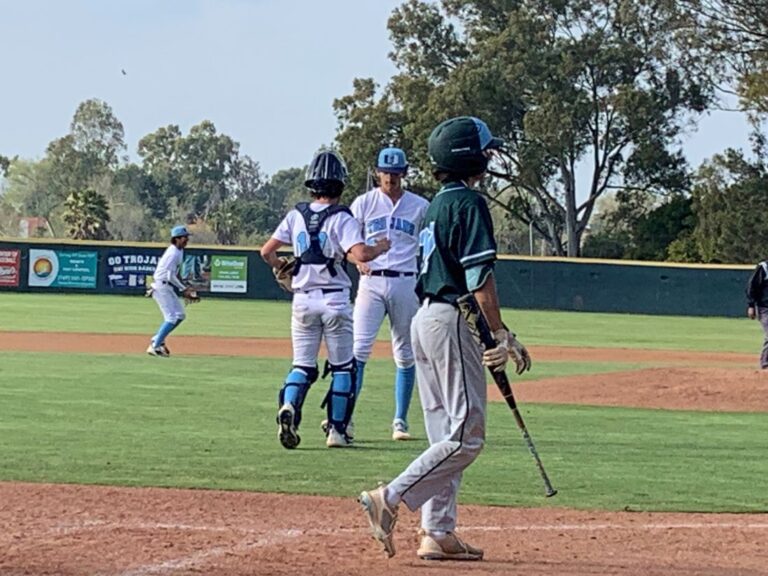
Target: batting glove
<point>496,358</point>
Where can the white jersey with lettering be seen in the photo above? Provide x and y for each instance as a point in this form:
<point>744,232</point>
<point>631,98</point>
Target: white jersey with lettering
<point>339,233</point>
<point>321,307</point>
<point>400,222</point>
<point>390,287</point>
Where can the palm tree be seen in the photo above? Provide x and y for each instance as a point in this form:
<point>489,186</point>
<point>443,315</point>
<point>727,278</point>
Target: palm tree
<point>87,214</point>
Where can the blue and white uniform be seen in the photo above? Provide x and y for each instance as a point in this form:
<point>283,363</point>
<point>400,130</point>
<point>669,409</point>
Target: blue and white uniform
<point>389,288</point>
<point>164,279</point>
<point>321,303</point>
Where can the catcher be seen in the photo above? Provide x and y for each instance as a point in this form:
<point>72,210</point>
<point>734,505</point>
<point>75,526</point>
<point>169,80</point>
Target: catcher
<point>163,290</point>
<point>322,233</point>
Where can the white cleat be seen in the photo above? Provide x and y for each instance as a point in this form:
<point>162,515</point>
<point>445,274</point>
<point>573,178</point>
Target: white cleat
<point>350,429</point>
<point>286,427</point>
<point>400,430</point>
<point>336,439</point>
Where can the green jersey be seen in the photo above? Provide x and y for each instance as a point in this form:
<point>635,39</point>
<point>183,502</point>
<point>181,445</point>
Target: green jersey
<point>457,235</point>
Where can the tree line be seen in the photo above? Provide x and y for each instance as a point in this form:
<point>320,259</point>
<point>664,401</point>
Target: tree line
<point>592,98</point>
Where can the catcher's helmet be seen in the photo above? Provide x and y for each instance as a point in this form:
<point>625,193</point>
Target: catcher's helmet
<point>458,146</point>
<point>326,174</point>
<point>179,231</point>
<point>392,161</point>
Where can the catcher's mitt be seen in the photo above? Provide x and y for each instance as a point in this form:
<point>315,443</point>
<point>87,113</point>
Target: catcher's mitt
<point>284,272</point>
<point>191,296</point>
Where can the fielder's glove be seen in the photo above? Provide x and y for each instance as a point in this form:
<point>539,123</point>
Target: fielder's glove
<point>507,344</point>
<point>284,272</point>
<point>190,296</point>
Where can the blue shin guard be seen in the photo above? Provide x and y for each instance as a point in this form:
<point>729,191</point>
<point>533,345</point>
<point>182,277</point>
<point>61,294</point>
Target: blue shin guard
<point>340,401</point>
<point>295,389</point>
<point>404,381</point>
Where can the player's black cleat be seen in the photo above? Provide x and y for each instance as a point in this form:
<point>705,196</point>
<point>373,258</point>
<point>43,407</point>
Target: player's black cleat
<point>286,429</point>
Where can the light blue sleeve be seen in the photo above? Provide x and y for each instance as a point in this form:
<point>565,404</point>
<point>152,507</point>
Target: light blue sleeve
<point>477,275</point>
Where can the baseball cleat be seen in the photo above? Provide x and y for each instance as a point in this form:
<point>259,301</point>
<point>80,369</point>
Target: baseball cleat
<point>336,439</point>
<point>400,430</point>
<point>446,547</point>
<point>165,349</point>
<point>381,517</point>
<point>350,434</point>
<point>286,429</point>
<point>152,351</point>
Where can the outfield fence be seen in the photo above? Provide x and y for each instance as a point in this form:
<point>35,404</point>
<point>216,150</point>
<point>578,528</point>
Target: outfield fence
<point>524,282</point>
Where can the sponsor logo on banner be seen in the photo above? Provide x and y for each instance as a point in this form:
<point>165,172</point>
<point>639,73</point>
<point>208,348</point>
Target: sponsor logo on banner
<point>9,267</point>
<point>130,268</point>
<point>58,269</point>
<point>229,273</point>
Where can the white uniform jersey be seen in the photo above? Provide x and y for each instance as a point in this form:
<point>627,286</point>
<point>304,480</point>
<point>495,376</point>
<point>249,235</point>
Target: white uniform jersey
<point>401,223</point>
<point>168,267</point>
<point>338,234</point>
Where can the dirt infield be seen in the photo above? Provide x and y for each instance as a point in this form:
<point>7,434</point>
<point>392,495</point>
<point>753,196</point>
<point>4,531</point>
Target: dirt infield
<point>78,530</point>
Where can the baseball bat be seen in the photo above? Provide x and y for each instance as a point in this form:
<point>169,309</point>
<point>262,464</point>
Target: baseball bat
<point>474,316</point>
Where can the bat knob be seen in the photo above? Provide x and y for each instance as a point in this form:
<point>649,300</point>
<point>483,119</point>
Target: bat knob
<point>551,493</point>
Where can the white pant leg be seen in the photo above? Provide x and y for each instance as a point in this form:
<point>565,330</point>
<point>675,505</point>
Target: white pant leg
<point>368,314</point>
<point>402,304</point>
<point>170,304</point>
<point>453,394</point>
<point>306,329</point>
<point>337,325</point>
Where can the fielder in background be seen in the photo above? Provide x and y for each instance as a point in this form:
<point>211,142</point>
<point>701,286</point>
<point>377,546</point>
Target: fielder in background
<point>165,282</point>
<point>387,283</point>
<point>757,305</point>
<point>321,233</point>
<point>458,252</point>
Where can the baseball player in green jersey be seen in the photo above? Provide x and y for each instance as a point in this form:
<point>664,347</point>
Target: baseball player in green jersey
<point>458,252</point>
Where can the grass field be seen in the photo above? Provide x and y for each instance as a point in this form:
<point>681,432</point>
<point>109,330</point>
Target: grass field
<point>133,315</point>
<point>209,421</point>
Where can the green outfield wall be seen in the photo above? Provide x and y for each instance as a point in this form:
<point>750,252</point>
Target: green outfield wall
<point>524,282</point>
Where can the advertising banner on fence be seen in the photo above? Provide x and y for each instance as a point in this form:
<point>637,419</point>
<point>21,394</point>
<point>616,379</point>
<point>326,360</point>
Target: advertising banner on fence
<point>129,267</point>
<point>229,273</point>
<point>9,267</point>
<point>58,269</point>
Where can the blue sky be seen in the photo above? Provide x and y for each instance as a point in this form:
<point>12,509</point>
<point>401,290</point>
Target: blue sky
<point>264,71</point>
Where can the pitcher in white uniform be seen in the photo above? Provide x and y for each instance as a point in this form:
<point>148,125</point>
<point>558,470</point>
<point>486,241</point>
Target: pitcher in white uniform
<point>165,282</point>
<point>321,233</point>
<point>387,283</point>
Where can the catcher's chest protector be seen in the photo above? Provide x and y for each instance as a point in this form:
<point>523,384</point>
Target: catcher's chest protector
<point>313,221</point>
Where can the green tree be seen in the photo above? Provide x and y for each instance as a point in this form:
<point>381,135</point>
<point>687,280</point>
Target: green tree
<point>87,215</point>
<point>729,199</point>
<point>194,170</point>
<point>592,92</point>
<point>5,164</point>
<point>29,191</point>
<point>654,232</point>
<point>91,150</point>
<point>737,32</point>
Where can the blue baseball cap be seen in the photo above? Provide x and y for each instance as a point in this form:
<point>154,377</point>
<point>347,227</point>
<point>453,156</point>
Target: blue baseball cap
<point>392,161</point>
<point>179,231</point>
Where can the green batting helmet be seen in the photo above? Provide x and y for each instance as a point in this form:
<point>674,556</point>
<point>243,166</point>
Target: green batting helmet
<point>458,146</point>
